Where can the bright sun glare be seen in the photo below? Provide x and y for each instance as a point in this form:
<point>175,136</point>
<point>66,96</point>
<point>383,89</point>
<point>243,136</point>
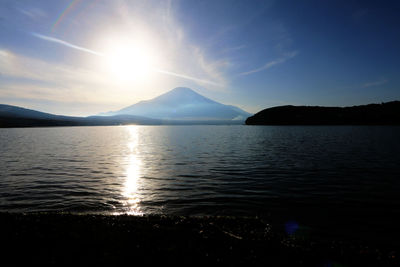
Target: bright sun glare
<point>130,61</point>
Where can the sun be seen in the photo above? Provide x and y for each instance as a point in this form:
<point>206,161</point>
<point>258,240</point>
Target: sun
<point>129,61</point>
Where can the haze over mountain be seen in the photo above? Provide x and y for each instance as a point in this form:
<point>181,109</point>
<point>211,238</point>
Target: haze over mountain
<point>182,104</point>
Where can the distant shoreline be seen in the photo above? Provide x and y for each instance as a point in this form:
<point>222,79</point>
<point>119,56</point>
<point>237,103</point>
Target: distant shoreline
<point>371,115</point>
<point>20,122</point>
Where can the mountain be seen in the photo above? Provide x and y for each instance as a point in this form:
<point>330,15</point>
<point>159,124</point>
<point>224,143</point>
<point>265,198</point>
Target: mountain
<point>372,114</point>
<point>183,104</point>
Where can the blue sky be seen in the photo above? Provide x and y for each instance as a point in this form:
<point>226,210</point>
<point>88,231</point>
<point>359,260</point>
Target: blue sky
<point>83,57</point>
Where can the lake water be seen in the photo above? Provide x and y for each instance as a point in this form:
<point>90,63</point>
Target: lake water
<point>343,177</point>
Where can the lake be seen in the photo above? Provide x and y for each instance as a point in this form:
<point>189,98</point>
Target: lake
<point>343,178</point>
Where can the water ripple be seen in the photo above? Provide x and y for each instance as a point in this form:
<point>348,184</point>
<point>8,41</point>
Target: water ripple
<point>202,170</point>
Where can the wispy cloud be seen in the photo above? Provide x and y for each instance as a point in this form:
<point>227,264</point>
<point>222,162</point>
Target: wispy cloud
<point>204,69</point>
<point>33,12</point>
<point>374,83</point>
<point>211,68</point>
<point>57,76</point>
<point>364,85</point>
<point>67,44</point>
<point>187,77</point>
<point>270,64</point>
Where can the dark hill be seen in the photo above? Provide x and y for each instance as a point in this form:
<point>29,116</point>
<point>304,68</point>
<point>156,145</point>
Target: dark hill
<point>372,114</point>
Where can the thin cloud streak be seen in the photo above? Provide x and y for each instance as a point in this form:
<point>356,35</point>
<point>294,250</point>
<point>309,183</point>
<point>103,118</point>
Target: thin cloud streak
<point>271,63</point>
<point>186,77</point>
<point>59,41</point>
<point>33,13</point>
<point>376,83</point>
<point>365,85</point>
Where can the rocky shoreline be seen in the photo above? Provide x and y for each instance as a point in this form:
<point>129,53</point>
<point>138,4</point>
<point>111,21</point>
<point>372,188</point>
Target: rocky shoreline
<point>57,238</point>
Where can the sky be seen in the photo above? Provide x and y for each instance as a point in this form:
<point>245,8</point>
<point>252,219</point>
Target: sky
<point>83,57</point>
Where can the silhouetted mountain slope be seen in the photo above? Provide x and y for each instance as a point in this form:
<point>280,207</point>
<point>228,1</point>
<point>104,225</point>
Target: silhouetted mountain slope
<point>12,116</point>
<point>14,111</point>
<point>183,104</point>
<point>372,114</point>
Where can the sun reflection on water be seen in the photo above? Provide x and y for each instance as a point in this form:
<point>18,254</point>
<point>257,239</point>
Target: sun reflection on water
<point>131,186</point>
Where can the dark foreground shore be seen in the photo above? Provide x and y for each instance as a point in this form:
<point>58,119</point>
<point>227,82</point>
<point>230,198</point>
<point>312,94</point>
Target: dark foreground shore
<point>98,239</point>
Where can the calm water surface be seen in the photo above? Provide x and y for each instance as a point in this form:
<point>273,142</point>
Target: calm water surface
<point>340,175</point>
